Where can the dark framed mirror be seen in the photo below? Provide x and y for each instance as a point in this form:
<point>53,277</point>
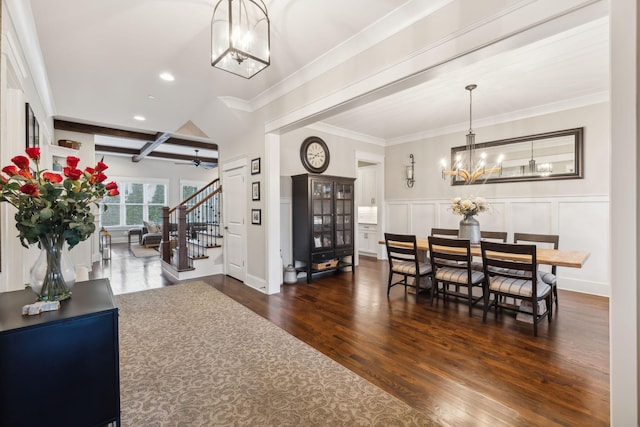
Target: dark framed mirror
<point>545,156</point>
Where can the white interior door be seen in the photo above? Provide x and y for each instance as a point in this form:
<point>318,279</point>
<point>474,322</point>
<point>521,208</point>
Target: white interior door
<point>235,230</point>
<point>375,197</point>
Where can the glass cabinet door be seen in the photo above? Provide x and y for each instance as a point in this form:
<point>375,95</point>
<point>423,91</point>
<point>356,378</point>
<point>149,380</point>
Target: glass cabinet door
<point>321,197</point>
<point>344,214</point>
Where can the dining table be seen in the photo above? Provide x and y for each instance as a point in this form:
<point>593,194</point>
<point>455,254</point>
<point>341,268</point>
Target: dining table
<point>547,256</point>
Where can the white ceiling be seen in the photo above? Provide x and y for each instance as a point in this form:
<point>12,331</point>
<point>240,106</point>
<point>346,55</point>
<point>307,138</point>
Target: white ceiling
<point>567,70</point>
<point>103,59</point>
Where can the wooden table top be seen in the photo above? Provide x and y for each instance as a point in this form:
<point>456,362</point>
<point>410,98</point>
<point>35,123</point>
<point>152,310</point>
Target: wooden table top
<point>557,257</point>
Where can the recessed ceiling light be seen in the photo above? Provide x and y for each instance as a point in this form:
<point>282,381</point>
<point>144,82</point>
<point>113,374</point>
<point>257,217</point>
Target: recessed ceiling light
<point>140,118</point>
<point>167,77</point>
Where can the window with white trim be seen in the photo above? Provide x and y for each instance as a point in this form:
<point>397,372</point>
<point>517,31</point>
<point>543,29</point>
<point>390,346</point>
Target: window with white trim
<point>189,188</point>
<point>137,202</point>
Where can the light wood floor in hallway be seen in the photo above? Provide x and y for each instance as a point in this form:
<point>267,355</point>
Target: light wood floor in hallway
<point>454,368</point>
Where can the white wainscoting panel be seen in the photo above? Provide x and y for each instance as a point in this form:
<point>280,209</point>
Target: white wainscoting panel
<point>585,224</point>
<point>582,223</point>
<point>423,216</point>
<point>446,218</point>
<point>531,216</point>
<point>286,235</point>
<point>398,218</point>
<point>495,219</point>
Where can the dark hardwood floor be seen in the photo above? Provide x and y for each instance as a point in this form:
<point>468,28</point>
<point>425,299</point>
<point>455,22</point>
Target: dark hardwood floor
<point>436,358</point>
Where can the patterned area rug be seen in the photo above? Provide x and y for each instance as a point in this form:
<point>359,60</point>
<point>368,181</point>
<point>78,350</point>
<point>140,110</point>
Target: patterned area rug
<point>190,355</point>
<point>142,252</point>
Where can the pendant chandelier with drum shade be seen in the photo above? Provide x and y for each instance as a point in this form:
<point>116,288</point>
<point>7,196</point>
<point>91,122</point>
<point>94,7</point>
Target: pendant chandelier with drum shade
<point>470,169</point>
<point>240,37</point>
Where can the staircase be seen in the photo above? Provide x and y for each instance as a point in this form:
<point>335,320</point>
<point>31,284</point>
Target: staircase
<point>191,240</point>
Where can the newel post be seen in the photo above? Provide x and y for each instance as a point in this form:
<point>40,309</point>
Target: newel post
<point>166,246</point>
<point>183,262</point>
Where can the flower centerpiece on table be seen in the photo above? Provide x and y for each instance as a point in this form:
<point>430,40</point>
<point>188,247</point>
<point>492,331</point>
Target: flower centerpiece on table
<point>469,206</point>
<point>53,208</point>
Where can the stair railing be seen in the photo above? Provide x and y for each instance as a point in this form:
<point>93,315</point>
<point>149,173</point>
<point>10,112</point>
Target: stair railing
<point>192,227</point>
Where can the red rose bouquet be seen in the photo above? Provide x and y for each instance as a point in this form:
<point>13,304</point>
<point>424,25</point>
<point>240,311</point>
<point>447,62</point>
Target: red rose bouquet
<point>51,203</point>
<point>53,209</point>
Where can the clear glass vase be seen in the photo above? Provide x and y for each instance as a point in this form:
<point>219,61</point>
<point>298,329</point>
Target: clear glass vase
<point>53,275</point>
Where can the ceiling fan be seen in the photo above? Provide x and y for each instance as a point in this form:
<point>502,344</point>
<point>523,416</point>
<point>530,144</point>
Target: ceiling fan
<point>199,163</point>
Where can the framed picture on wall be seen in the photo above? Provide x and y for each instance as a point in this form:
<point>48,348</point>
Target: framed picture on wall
<point>255,166</point>
<point>256,216</point>
<point>255,191</point>
<point>32,128</point>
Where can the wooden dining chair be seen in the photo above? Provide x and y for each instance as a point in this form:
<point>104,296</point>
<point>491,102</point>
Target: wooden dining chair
<point>515,281</point>
<point>444,232</point>
<point>497,236</point>
<point>402,252</point>
<point>451,266</point>
<point>543,240</point>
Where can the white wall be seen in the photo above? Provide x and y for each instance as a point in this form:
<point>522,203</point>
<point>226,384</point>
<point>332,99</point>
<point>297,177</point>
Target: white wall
<point>342,163</point>
<point>427,153</point>
<point>249,146</point>
<point>342,151</point>
<point>16,88</point>
<point>625,116</point>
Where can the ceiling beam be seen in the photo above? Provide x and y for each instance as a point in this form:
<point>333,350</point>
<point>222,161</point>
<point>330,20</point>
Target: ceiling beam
<point>150,146</point>
<point>102,130</point>
<point>132,152</point>
<point>156,139</point>
<point>195,144</point>
<point>121,133</point>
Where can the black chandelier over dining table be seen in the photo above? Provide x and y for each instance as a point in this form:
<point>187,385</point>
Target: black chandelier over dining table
<point>471,168</point>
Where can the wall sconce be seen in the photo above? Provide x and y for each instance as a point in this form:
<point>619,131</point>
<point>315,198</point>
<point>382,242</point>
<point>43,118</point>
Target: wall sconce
<point>410,177</point>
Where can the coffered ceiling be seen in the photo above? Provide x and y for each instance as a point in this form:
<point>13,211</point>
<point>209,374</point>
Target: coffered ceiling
<point>103,60</point>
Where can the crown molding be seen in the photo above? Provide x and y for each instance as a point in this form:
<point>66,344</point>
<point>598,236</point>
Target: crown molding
<point>237,103</point>
<point>523,114</point>
<point>21,15</point>
<point>346,133</point>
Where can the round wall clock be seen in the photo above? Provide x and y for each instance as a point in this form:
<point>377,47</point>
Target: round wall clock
<point>314,154</point>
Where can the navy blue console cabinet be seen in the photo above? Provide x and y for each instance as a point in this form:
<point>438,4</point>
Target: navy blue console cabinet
<point>60,368</point>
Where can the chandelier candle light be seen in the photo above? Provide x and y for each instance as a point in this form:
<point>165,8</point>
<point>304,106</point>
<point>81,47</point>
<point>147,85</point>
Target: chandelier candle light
<point>240,40</point>
<point>473,169</point>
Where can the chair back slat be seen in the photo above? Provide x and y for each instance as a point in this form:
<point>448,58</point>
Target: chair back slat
<point>401,250</point>
<point>495,255</point>
<point>494,235</point>
<point>552,239</point>
<point>444,232</point>
<point>549,239</point>
<point>508,265</point>
<point>440,255</point>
